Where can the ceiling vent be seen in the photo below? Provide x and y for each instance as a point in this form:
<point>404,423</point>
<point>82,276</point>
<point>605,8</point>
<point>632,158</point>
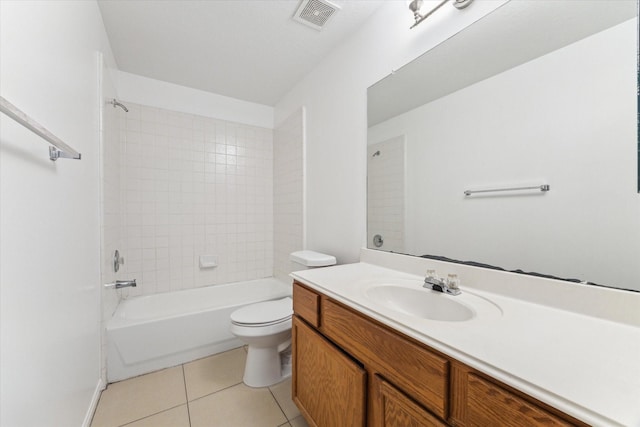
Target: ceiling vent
<point>315,13</point>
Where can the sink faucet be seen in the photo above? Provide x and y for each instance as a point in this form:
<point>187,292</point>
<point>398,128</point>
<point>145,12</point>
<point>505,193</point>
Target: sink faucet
<point>450,286</point>
<point>121,284</point>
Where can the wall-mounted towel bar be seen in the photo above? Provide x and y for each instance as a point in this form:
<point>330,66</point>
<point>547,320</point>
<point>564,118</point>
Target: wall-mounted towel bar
<point>543,187</point>
<point>59,149</point>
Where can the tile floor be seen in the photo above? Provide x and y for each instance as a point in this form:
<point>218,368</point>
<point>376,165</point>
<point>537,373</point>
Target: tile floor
<point>204,393</point>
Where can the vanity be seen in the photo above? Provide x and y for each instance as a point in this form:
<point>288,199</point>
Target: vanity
<point>365,353</point>
<point>510,145</point>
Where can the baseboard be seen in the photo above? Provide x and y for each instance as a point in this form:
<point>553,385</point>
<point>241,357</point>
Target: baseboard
<point>94,403</point>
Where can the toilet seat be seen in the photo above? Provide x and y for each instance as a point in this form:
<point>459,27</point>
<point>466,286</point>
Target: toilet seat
<point>264,313</point>
<point>258,325</point>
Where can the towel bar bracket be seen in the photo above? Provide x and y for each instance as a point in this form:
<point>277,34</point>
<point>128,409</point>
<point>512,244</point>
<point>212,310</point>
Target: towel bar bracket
<point>55,154</point>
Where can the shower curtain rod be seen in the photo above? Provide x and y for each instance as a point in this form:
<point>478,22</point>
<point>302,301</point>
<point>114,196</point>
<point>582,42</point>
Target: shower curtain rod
<point>58,150</point>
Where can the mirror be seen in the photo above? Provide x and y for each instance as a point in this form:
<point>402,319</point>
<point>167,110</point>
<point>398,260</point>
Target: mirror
<point>535,93</point>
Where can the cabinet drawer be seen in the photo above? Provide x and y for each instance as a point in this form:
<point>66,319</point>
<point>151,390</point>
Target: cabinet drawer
<point>417,371</point>
<point>395,409</point>
<point>306,304</point>
<point>489,405</point>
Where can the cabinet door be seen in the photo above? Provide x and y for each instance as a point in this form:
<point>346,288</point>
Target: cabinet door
<point>328,386</point>
<point>491,405</point>
<point>394,409</point>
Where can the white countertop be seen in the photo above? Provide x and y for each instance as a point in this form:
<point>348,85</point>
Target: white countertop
<point>586,366</point>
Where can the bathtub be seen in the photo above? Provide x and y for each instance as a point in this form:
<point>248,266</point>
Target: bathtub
<point>153,332</point>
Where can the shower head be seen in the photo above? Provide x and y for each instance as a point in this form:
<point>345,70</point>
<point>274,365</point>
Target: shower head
<point>115,104</point>
<point>377,153</point>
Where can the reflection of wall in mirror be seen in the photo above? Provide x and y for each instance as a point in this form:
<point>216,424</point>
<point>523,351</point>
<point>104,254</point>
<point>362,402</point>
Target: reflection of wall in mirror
<point>385,194</point>
<point>566,119</point>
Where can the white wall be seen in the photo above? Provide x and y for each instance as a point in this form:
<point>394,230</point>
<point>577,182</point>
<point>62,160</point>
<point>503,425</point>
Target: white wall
<point>50,213</point>
<point>567,119</point>
<point>334,95</point>
<point>169,96</point>
<point>288,193</point>
<point>112,125</point>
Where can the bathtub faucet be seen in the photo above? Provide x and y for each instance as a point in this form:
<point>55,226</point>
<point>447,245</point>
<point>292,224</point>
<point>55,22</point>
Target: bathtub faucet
<point>121,284</point>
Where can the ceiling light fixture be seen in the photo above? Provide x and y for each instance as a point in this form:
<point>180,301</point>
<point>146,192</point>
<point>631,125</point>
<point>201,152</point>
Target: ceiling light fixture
<point>419,15</point>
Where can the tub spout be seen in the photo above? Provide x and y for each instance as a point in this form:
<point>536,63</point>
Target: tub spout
<point>121,284</point>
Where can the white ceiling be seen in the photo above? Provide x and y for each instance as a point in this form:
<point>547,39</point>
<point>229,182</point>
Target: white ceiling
<point>250,50</point>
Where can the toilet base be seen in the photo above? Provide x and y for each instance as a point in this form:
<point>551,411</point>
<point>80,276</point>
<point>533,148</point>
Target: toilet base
<point>264,367</point>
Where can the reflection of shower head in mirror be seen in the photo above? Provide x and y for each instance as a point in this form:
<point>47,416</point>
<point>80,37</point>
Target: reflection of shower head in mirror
<point>115,104</point>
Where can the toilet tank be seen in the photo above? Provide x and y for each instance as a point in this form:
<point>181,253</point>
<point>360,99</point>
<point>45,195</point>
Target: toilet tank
<point>303,260</point>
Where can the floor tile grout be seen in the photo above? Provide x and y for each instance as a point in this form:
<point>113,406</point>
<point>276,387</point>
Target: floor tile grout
<point>204,357</point>
<point>150,415</point>
<point>214,392</point>
<point>278,403</point>
<point>140,375</point>
<point>186,395</point>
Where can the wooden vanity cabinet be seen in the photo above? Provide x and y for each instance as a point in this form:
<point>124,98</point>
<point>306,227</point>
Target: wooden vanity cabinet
<point>413,368</point>
<point>478,400</point>
<point>393,408</point>
<point>327,386</point>
<point>490,404</point>
<point>306,304</point>
<point>350,370</point>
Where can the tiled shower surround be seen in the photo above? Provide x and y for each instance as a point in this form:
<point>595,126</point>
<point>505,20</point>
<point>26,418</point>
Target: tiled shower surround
<point>192,186</point>
<point>386,194</point>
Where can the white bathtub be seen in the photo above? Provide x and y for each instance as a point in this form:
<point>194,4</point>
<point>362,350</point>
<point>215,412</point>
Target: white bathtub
<point>158,331</point>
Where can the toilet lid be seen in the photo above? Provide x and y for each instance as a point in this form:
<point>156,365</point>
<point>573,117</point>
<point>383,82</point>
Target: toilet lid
<point>264,312</point>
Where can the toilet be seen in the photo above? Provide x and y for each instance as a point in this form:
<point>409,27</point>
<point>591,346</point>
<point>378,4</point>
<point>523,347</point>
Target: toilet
<point>266,328</point>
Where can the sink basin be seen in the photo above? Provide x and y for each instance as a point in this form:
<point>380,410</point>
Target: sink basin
<point>420,302</point>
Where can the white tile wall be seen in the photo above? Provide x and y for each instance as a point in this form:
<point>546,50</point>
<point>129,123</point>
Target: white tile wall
<point>386,194</point>
<point>288,192</point>
<point>192,186</point>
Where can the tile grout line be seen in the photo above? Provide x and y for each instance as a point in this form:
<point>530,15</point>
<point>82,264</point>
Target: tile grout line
<point>186,395</point>
<point>149,416</point>
<point>214,392</point>
<point>278,403</point>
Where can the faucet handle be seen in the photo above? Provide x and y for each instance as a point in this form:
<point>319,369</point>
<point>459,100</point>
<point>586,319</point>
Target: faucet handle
<point>453,282</point>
